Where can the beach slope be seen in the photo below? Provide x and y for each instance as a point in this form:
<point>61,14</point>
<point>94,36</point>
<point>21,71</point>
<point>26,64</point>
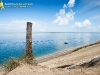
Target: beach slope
<point>50,67</point>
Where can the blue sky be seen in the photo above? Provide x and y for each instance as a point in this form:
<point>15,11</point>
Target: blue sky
<point>52,16</point>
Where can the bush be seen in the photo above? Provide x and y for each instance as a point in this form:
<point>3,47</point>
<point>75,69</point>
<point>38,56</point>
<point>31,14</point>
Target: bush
<point>28,59</point>
<point>11,64</point>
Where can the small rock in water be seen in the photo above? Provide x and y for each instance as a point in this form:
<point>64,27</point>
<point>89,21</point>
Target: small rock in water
<point>65,42</point>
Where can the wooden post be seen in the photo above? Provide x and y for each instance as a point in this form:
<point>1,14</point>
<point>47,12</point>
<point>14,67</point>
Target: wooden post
<point>29,39</point>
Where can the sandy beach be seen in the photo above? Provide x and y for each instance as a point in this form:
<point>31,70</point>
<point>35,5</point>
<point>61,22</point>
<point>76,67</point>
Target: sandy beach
<point>2,71</point>
<point>63,52</point>
<point>74,57</point>
<point>48,65</point>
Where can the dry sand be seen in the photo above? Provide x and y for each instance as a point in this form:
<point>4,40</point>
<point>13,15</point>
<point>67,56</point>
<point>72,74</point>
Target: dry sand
<point>78,56</point>
<point>38,70</point>
<point>2,71</point>
<point>49,67</point>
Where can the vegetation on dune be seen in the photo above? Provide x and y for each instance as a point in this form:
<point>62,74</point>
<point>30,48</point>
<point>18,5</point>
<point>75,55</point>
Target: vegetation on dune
<point>11,64</point>
<point>29,59</point>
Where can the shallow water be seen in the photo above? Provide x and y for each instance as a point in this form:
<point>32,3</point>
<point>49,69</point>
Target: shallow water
<point>13,44</point>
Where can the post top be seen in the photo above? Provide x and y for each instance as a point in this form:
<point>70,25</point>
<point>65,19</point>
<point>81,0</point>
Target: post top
<point>29,22</point>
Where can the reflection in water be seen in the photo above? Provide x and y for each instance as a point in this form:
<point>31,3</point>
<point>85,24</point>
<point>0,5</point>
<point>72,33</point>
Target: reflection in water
<point>13,44</point>
<point>86,37</point>
<point>78,37</point>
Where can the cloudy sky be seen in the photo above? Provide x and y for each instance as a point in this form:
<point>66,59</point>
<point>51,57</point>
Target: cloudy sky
<point>52,16</point>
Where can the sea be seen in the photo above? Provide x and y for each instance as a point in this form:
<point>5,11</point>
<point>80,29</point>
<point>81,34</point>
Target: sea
<point>43,43</point>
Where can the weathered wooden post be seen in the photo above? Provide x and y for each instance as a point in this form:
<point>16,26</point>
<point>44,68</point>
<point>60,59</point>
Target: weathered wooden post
<point>29,39</point>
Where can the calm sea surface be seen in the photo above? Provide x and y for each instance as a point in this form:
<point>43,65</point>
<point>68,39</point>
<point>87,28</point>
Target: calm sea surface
<point>13,44</point>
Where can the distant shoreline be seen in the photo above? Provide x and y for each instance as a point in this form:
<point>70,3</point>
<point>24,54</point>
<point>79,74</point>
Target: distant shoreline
<point>63,52</point>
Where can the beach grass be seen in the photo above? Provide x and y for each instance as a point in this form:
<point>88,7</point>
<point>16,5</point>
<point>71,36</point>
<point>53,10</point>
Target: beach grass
<point>28,59</point>
<point>11,64</point>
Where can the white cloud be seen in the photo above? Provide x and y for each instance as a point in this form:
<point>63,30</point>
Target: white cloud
<point>78,24</point>
<point>42,29</point>
<point>63,17</point>
<point>90,4</point>
<point>99,27</point>
<point>71,3</point>
<point>64,6</point>
<point>84,24</point>
<point>96,17</point>
<point>61,12</point>
<point>20,25</point>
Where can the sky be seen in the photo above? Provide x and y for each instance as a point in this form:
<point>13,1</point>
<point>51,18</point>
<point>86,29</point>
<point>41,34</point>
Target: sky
<point>52,16</point>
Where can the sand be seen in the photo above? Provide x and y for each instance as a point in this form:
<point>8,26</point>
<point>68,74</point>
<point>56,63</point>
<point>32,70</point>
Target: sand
<point>38,70</point>
<point>50,67</point>
<point>61,53</point>
<point>78,56</point>
<point>2,71</point>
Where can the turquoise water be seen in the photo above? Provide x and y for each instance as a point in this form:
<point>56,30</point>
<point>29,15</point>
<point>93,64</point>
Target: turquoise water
<point>13,44</point>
